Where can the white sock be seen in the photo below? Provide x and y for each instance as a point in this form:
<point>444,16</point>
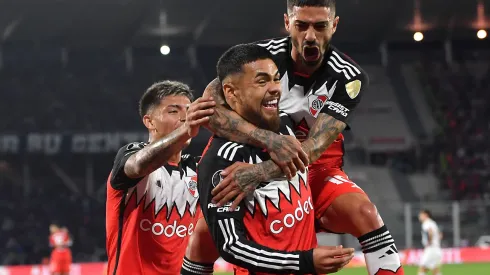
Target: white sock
<point>380,251</point>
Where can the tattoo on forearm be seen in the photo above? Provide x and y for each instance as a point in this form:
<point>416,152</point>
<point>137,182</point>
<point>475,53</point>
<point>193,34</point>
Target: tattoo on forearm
<point>249,178</point>
<point>321,135</point>
<point>228,124</point>
<point>156,154</point>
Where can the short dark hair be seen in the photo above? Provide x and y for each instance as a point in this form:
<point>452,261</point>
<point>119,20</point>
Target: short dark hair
<point>311,3</point>
<point>426,212</point>
<point>232,61</point>
<point>160,90</point>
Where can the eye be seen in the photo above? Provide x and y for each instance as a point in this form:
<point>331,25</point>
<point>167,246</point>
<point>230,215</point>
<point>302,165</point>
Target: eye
<point>172,112</point>
<point>301,26</point>
<point>321,26</point>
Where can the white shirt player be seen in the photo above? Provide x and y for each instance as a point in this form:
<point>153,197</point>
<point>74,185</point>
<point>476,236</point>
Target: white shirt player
<point>430,225</point>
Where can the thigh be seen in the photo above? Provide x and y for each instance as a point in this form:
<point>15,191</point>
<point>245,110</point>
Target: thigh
<point>326,185</point>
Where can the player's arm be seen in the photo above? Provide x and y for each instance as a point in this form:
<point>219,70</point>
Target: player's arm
<point>136,161</point>
<point>226,123</point>
<point>331,121</point>
<point>229,235</point>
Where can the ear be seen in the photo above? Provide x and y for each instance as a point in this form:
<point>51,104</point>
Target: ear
<point>286,22</point>
<point>335,23</point>
<point>229,90</point>
<point>148,122</point>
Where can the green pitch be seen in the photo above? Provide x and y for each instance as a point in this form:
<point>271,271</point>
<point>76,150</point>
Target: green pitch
<point>459,269</point>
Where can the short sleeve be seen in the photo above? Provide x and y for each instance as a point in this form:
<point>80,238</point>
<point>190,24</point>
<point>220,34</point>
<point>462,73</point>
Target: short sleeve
<point>119,180</point>
<point>346,96</point>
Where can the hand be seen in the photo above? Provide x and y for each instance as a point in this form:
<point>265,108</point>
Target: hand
<point>287,153</point>
<point>330,259</point>
<point>198,114</point>
<point>234,185</point>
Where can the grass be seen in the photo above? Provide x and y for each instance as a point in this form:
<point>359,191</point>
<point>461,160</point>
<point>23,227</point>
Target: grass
<point>452,269</point>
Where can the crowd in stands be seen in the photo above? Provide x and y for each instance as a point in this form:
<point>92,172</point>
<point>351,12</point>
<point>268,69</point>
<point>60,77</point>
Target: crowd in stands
<point>459,95</point>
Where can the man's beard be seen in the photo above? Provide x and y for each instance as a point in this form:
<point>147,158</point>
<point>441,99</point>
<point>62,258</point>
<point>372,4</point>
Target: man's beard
<point>272,124</point>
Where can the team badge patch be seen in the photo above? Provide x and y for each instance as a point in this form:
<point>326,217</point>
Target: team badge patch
<point>217,178</point>
<point>353,88</point>
<point>316,103</point>
<point>192,186</point>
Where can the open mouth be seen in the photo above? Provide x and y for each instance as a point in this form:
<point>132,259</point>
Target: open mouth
<point>270,105</point>
<point>311,53</point>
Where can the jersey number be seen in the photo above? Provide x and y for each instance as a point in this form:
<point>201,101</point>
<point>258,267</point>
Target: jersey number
<point>337,179</point>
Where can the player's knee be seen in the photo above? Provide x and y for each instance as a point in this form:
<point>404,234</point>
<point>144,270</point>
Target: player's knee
<point>368,214</point>
<point>368,210</point>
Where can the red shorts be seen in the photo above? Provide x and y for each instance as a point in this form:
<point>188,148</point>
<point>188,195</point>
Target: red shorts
<point>327,184</point>
<point>60,261</point>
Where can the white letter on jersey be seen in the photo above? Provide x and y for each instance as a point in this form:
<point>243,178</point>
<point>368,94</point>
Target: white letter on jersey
<point>289,219</point>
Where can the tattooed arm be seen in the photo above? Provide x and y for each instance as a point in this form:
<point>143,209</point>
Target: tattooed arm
<point>286,151</point>
<point>330,122</point>
<point>325,130</point>
<point>228,124</point>
<point>148,159</point>
<point>134,161</point>
<point>247,178</point>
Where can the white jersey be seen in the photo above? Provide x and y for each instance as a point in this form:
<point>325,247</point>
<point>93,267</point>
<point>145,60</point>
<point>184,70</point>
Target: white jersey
<point>430,225</point>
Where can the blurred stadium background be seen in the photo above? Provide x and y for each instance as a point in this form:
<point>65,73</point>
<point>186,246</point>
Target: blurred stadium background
<point>71,73</point>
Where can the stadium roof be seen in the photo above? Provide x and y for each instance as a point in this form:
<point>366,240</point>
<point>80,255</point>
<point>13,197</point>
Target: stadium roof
<point>150,22</point>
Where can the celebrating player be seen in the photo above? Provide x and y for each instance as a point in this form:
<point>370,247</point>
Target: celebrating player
<point>262,234</point>
<point>431,239</point>
<point>151,192</point>
<point>60,241</point>
<point>322,87</point>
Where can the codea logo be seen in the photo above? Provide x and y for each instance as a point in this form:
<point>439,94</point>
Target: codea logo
<point>289,220</point>
<point>168,230</point>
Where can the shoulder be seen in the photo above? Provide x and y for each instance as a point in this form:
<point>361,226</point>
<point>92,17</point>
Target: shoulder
<point>132,147</point>
<point>278,47</point>
<point>188,160</point>
<point>224,149</point>
<point>344,68</point>
<point>127,150</point>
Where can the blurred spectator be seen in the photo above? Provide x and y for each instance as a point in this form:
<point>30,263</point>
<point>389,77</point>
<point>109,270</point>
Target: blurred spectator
<point>461,99</point>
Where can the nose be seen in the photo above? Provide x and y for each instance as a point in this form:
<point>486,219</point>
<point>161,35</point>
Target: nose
<point>310,35</point>
<point>183,116</point>
<point>275,89</point>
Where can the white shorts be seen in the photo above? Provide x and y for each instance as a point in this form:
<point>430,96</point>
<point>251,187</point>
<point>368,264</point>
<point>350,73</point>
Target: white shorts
<point>431,258</point>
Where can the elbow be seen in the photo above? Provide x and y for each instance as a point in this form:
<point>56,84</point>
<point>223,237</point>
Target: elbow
<point>227,256</point>
<point>230,258</point>
<point>134,170</point>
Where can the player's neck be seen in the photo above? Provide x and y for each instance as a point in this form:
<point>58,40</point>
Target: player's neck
<point>175,159</point>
